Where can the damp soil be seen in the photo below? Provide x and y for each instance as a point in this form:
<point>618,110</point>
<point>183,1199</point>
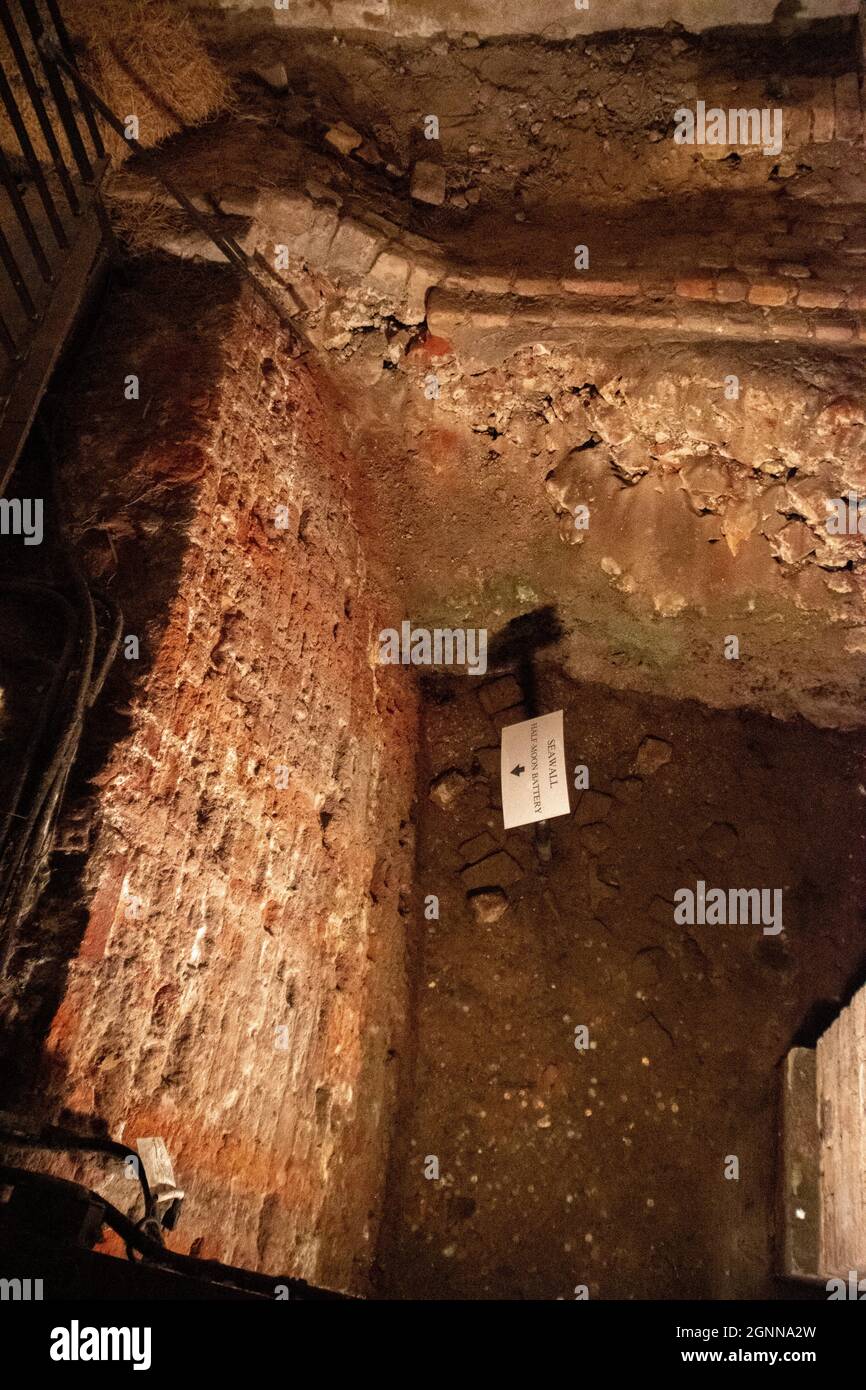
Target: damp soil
<point>605,1166</point>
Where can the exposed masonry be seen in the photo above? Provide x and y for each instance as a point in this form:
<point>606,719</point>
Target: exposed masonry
<point>796,272</point>
<point>237,979</point>
<point>491,334</point>
<point>551,17</point>
<point>408,279</point>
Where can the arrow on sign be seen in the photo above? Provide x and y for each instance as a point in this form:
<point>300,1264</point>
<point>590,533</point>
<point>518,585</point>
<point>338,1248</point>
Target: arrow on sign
<point>516,771</point>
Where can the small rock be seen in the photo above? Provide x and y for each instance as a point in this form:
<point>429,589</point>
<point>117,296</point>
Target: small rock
<point>652,754</point>
<point>274,75</point>
<point>568,532</point>
<point>446,788</point>
<point>370,154</point>
<point>500,694</point>
<point>427,184</point>
<point>631,461</point>
<point>470,41</point>
<point>738,523</point>
<point>794,542</point>
<point>343,138</point>
<point>488,905</point>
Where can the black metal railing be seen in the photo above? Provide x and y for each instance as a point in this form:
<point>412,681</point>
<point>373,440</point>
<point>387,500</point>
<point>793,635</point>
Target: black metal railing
<point>222,239</point>
<point>52,159</point>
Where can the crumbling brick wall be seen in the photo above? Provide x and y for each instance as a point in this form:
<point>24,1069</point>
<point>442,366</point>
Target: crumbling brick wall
<point>239,983</point>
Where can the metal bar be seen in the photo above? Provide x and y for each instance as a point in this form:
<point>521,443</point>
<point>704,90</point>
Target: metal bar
<point>8,341</point>
<point>229,248</point>
<point>65,44</point>
<point>33,20</point>
<point>233,253</point>
<point>38,106</point>
<point>12,270</point>
<point>18,203</point>
<point>8,98</point>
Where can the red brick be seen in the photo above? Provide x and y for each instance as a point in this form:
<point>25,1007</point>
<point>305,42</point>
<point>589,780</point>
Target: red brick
<point>255,906</point>
<point>769,294</point>
<point>696,289</point>
<point>729,289</point>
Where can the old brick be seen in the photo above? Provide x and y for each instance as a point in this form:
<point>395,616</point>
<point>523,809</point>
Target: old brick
<point>600,289</point>
<point>390,274</point>
<point>769,294</point>
<point>355,247</point>
<point>729,289</point>
<point>696,289</point>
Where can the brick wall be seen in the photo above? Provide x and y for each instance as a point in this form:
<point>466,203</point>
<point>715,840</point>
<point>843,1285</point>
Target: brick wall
<point>239,983</point>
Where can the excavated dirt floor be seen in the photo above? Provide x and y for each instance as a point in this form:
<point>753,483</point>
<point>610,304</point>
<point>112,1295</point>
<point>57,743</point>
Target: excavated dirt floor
<point>605,1167</point>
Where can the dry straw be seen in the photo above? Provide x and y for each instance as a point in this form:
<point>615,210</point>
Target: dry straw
<point>144,58</point>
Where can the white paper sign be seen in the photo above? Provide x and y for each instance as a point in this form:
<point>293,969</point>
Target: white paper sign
<point>534,781</point>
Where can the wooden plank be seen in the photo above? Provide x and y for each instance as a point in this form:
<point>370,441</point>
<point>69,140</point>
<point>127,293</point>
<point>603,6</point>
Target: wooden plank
<point>799,1196</point>
<point>841,1092</point>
